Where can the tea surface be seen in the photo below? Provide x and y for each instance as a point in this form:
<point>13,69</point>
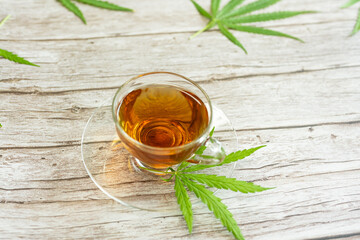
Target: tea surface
<point>163,116</point>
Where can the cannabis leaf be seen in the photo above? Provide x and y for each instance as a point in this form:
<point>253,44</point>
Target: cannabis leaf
<point>0,125</point>
<point>216,206</point>
<point>105,5</point>
<point>357,24</point>
<point>212,132</point>
<point>184,202</point>
<point>350,3</point>
<point>73,8</point>
<point>96,3</point>
<point>232,157</point>
<point>233,16</point>
<point>200,150</point>
<point>15,58</point>
<point>193,182</point>
<point>12,56</point>
<point>222,182</point>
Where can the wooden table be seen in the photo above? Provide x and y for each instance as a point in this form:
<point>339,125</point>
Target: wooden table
<point>301,100</point>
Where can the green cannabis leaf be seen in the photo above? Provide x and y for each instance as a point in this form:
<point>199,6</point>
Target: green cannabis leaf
<point>0,125</point>
<point>96,3</point>
<point>105,5</point>
<point>184,202</point>
<point>193,182</point>
<point>212,132</point>
<point>216,206</point>
<point>233,16</point>
<point>12,56</point>
<point>200,150</point>
<point>232,157</point>
<point>73,8</point>
<point>15,58</point>
<point>222,182</point>
<point>357,24</point>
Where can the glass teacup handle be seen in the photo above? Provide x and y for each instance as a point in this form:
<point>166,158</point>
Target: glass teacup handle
<point>210,153</point>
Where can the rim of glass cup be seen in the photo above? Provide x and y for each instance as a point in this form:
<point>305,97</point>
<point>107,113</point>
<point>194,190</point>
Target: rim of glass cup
<point>132,140</point>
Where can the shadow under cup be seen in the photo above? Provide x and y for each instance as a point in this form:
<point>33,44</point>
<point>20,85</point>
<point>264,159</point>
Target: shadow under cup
<point>160,157</point>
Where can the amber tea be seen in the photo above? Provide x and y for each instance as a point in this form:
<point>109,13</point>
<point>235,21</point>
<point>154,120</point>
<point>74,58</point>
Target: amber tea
<point>162,116</point>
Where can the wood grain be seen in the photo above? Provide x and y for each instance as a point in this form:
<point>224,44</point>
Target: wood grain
<point>301,100</point>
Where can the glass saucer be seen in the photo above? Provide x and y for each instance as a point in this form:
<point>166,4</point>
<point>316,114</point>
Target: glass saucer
<point>111,168</point>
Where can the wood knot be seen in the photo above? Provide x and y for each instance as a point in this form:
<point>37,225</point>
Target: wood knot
<point>75,109</point>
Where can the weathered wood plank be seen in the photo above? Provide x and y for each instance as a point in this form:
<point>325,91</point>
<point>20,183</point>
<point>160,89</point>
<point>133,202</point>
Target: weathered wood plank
<point>153,17</point>
<point>123,56</point>
<point>313,188</point>
<point>302,100</point>
<point>103,63</point>
<point>255,103</point>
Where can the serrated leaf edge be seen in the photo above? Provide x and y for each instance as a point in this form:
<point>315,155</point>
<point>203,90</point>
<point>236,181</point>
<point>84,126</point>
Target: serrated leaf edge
<point>222,182</point>
<point>15,58</point>
<point>216,206</point>
<point>184,202</point>
<point>232,157</point>
<point>105,5</point>
<point>73,8</point>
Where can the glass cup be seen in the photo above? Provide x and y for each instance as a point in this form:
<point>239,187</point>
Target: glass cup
<point>160,158</point>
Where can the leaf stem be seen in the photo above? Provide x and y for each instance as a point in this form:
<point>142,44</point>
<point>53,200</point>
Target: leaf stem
<point>169,179</point>
<point>209,25</point>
